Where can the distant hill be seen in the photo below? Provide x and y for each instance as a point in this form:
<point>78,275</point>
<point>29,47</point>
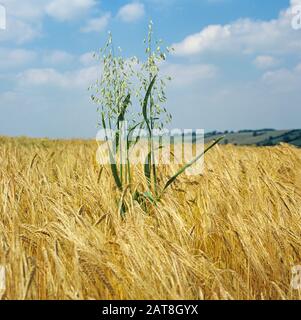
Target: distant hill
<point>263,137</point>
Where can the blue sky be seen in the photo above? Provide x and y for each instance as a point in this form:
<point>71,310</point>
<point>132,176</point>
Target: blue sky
<point>237,63</point>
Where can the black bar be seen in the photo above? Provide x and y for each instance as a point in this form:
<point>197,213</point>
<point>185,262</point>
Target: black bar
<point>90,310</point>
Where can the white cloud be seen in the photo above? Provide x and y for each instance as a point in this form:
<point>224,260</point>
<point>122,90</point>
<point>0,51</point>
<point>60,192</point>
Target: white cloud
<point>57,57</point>
<point>15,58</point>
<point>20,31</point>
<point>131,12</point>
<point>40,77</point>
<point>208,39</point>
<point>295,2</point>
<point>25,18</point>
<point>26,10</point>
<point>283,80</point>
<point>19,58</point>
<point>185,75</point>
<point>31,10</point>
<point>265,62</point>
<point>87,59</point>
<point>97,24</point>
<point>81,78</point>
<point>244,36</point>
<point>66,10</point>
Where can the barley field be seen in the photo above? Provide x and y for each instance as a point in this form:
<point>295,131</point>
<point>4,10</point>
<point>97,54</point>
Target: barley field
<point>232,233</point>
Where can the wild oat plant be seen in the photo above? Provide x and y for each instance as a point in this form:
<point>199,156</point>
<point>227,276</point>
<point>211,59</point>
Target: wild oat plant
<point>121,80</point>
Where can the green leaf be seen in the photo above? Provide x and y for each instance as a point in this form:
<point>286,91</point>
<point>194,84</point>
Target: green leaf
<point>112,160</point>
<point>145,103</point>
<point>148,164</point>
<point>188,165</point>
<point>125,105</point>
<point>147,168</point>
<point>141,197</point>
<point>120,118</point>
<point>150,197</point>
<point>115,171</point>
<point>130,132</point>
